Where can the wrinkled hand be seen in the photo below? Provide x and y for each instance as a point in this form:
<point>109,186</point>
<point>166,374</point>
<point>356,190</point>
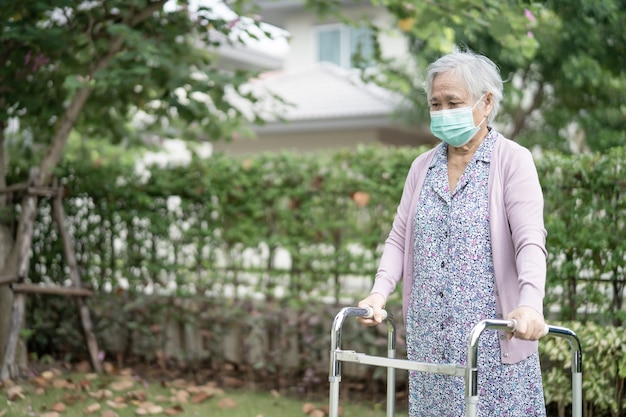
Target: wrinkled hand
<point>530,323</point>
<point>377,302</point>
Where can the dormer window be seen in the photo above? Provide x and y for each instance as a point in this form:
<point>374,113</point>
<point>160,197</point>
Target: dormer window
<point>341,44</point>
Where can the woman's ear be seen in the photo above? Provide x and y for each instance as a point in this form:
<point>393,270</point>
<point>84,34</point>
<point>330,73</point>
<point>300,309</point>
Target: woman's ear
<point>488,100</point>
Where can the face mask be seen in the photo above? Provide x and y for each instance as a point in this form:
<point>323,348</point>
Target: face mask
<point>455,126</point>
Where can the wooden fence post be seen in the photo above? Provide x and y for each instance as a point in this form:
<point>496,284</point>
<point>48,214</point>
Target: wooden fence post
<point>25,236</point>
<point>92,345</point>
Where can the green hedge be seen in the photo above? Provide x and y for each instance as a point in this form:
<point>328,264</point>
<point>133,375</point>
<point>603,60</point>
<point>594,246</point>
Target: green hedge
<point>292,229</point>
<point>604,369</point>
<point>586,220</point>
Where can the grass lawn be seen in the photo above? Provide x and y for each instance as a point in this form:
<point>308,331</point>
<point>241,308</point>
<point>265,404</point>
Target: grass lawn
<point>126,395</point>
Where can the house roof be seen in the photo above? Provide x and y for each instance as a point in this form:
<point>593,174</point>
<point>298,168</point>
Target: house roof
<point>237,56</point>
<point>323,96</point>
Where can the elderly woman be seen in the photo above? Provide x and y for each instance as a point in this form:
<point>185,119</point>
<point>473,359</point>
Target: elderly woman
<point>468,242</point>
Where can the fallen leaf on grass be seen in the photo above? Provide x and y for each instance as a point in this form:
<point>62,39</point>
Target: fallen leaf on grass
<point>148,408</point>
<point>40,381</point>
<point>84,384</point>
<point>61,383</point>
<point>326,411</point>
<point>308,407</point>
<point>109,413</point>
<point>137,395</point>
<point>312,410</point>
<point>209,388</point>
<point>161,398</point>
<point>180,396</point>
<point>116,405</point>
<point>174,411</point>
<point>15,393</point>
<point>200,397</point>
<point>91,408</point>
<point>3,412</point>
<point>226,403</point>
<point>49,375</point>
<point>101,394</point>
<point>50,414</point>
<point>72,399</point>
<point>317,413</point>
<point>59,407</point>
<point>122,384</point>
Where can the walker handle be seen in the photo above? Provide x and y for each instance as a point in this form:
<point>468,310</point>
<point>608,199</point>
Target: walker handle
<point>369,313</point>
<point>513,326</point>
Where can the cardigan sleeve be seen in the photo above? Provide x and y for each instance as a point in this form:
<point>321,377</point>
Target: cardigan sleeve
<point>391,267</point>
<point>523,199</point>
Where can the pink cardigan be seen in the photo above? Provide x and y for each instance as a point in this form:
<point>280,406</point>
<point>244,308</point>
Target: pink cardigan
<point>517,234</point>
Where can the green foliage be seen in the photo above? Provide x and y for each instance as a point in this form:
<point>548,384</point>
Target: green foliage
<point>585,208</point>
<point>604,369</point>
<point>564,62</point>
<point>134,59</point>
<point>297,226</point>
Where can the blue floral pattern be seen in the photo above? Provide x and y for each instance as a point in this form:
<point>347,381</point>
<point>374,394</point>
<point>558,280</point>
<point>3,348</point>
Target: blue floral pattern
<point>453,289</point>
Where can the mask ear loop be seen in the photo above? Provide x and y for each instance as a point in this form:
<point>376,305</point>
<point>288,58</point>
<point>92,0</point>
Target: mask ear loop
<point>479,100</point>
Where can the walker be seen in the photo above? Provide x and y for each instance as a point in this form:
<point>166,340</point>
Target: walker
<point>469,371</point>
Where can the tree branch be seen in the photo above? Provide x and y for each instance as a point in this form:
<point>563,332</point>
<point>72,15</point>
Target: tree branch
<point>520,117</point>
<point>144,14</point>
<point>55,150</point>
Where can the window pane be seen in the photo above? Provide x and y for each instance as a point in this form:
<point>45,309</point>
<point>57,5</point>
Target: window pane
<point>361,44</point>
<point>329,44</point>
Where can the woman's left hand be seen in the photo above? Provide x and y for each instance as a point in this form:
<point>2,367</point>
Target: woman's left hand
<point>530,323</point>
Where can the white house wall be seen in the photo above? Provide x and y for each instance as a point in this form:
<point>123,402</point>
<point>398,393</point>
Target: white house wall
<point>303,41</point>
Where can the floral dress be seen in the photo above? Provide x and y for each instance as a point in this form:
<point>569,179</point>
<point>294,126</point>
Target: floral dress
<point>453,289</point>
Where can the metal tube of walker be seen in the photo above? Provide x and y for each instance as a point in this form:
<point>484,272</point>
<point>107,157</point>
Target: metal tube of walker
<point>334,375</point>
<point>391,371</point>
<point>471,376</point>
<point>577,366</point>
<point>471,369</point>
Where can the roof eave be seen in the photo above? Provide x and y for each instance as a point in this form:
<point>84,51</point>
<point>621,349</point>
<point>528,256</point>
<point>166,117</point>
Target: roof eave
<point>238,57</point>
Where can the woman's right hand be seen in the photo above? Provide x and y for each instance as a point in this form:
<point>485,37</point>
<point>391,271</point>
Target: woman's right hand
<point>377,302</point>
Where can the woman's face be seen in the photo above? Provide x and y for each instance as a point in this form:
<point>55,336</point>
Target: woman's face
<point>449,92</point>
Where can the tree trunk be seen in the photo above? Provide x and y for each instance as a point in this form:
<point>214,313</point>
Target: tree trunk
<point>20,260</point>
<point>6,246</point>
<point>6,295</point>
<point>521,115</point>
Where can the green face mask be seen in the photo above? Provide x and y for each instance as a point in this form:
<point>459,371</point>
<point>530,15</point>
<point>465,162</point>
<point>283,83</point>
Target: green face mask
<point>454,126</point>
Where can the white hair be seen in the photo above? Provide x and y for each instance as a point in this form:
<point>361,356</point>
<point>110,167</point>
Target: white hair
<point>480,75</point>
